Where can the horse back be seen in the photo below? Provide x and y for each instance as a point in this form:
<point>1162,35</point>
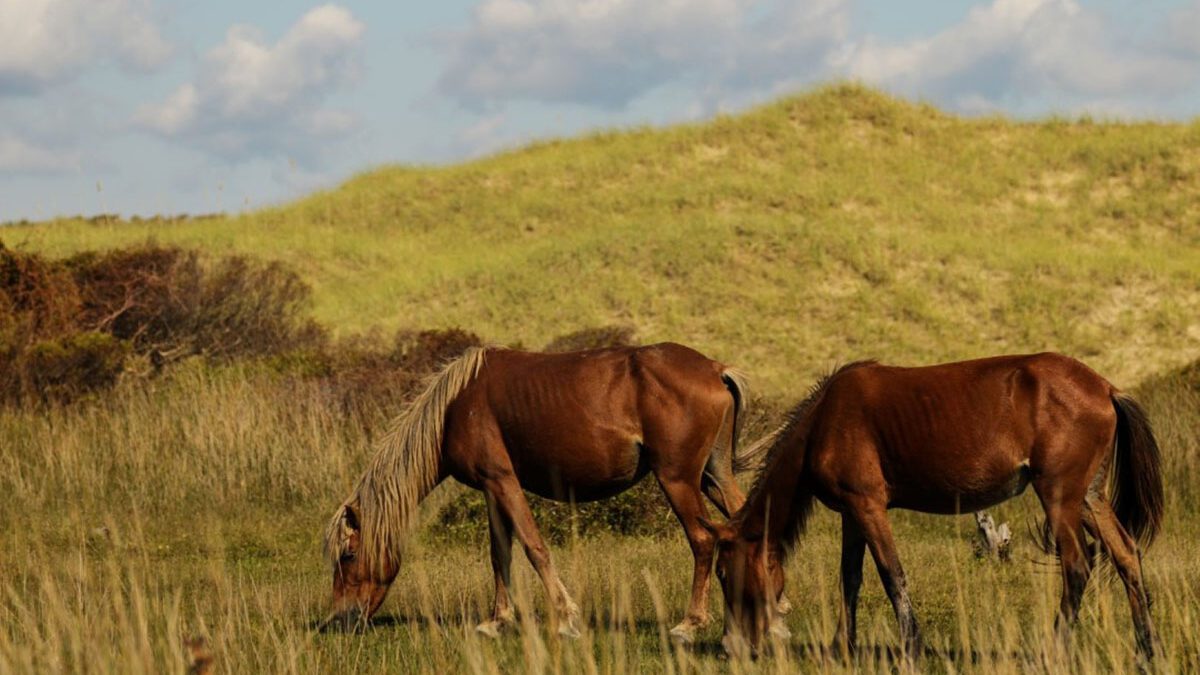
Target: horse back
<point>577,421</point>
<point>958,435</point>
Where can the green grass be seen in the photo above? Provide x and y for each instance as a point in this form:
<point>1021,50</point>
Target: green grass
<point>834,225</point>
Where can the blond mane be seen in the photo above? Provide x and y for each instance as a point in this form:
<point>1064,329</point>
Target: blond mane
<point>405,467</point>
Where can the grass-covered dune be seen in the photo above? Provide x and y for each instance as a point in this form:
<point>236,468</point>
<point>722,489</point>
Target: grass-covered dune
<point>837,224</point>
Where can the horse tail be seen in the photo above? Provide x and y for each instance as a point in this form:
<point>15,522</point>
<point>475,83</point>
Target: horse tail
<point>1137,496</point>
<point>738,386</point>
<point>753,456</point>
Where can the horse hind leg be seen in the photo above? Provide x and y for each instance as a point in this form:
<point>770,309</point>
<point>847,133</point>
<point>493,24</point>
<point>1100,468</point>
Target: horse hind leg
<point>688,505</point>
<point>503,616</point>
<point>717,481</point>
<point>1064,518</point>
<point>719,485</point>
<point>511,503</point>
<point>722,491</point>
<point>1102,523</point>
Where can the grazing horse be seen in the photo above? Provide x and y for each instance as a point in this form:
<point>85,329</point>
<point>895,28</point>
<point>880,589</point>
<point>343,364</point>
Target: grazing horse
<point>577,426</point>
<point>948,439</point>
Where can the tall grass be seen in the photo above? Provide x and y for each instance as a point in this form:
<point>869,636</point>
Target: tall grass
<point>191,506</point>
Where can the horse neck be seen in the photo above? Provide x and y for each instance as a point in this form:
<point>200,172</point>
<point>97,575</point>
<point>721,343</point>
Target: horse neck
<point>779,503</point>
<point>391,506</point>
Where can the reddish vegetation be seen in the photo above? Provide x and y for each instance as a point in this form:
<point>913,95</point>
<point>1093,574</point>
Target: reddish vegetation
<point>69,327</point>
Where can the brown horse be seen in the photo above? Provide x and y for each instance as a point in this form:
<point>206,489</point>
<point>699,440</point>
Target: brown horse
<point>949,439</point>
<point>581,426</point>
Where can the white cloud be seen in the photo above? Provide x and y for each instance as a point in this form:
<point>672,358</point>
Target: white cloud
<point>1014,52</point>
<point>1183,30</point>
<point>46,42</point>
<point>18,155</point>
<point>486,134</point>
<point>607,53</point>
<point>1021,56</point>
<point>251,97</point>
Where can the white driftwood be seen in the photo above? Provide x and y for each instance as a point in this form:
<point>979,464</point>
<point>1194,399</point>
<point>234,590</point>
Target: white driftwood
<point>993,542</point>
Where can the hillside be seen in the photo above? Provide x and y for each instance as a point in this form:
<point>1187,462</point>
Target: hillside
<point>831,226</point>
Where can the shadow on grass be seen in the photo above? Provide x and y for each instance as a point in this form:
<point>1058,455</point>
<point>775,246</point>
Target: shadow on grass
<point>388,622</point>
<point>812,651</point>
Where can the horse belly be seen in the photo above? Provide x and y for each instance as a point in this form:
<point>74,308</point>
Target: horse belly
<point>953,499</point>
<point>580,473</point>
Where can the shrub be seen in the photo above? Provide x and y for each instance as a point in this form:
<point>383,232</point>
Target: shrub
<point>135,294</point>
<point>65,368</point>
<point>592,338</point>
<point>640,511</point>
<point>166,300</point>
<point>93,310</point>
<point>1173,400</point>
<point>37,297</point>
<point>371,384</point>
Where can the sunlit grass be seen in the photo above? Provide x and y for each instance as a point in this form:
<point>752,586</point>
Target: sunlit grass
<point>833,225</point>
<point>193,506</point>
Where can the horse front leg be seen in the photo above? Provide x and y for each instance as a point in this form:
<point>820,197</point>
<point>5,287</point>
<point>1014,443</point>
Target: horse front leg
<point>872,520</point>
<point>503,616</point>
<point>854,547</point>
<point>511,503</point>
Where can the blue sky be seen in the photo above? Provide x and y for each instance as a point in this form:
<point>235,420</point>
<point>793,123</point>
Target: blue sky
<point>141,107</point>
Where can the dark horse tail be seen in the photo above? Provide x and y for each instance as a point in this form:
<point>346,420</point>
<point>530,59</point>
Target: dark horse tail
<point>1137,496</point>
<point>735,382</point>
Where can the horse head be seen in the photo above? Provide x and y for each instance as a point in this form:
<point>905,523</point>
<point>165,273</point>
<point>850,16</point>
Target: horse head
<point>360,582</point>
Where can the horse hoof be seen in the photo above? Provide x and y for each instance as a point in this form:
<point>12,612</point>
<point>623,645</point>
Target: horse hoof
<point>780,630</point>
<point>783,606</point>
<point>491,629</point>
<point>737,647</point>
<point>683,634</point>
<point>568,629</point>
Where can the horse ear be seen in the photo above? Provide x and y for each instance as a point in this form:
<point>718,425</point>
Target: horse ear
<point>350,519</point>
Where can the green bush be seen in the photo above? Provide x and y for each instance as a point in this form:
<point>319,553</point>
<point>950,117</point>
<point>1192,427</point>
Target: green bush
<point>68,367</point>
<point>640,511</point>
<point>592,338</point>
<point>1173,399</point>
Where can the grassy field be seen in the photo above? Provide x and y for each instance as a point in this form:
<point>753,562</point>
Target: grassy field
<point>193,506</point>
<point>837,225</point>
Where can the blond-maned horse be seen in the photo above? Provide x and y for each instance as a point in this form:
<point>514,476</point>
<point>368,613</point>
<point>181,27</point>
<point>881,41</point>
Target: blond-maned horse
<point>577,426</point>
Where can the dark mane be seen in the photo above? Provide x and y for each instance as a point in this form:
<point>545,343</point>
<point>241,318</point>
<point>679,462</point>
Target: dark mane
<point>792,434</point>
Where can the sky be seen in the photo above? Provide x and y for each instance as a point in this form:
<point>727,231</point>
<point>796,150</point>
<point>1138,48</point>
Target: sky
<point>144,107</point>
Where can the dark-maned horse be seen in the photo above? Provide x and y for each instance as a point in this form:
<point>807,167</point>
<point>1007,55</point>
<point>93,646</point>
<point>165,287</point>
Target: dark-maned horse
<point>583,426</point>
<point>949,439</point>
